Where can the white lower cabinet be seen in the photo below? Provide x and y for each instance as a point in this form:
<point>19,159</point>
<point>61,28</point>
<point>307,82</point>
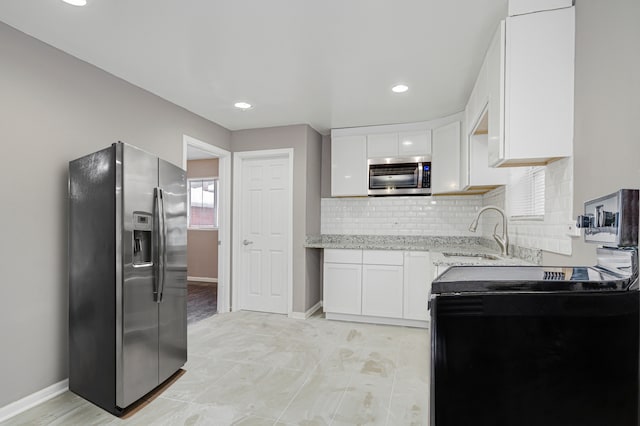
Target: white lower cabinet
<point>418,271</point>
<point>382,290</point>
<point>342,288</point>
<point>383,286</point>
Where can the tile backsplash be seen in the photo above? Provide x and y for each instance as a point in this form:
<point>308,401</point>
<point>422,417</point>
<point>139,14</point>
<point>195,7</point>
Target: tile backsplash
<point>428,216</point>
<point>549,234</point>
<point>452,215</point>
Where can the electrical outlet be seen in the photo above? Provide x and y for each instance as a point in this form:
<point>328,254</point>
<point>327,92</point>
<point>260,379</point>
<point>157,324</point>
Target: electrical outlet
<point>573,230</point>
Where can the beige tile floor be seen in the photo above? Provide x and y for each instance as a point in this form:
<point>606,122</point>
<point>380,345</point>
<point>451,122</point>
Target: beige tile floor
<point>249,368</point>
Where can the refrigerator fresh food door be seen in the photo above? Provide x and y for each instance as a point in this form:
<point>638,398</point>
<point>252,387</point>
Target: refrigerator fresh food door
<point>137,321</point>
<point>173,296</point>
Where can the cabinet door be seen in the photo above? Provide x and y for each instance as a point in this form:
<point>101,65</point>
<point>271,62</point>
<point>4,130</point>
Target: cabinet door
<point>539,75</point>
<point>418,274</point>
<point>414,144</point>
<point>465,179</point>
<point>382,145</point>
<point>382,290</point>
<point>495,79</point>
<point>445,174</point>
<point>342,288</point>
<point>349,166</point>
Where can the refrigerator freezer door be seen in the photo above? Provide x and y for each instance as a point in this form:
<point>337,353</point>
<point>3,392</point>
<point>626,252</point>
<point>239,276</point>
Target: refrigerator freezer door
<point>137,356</point>
<point>173,306</point>
<point>92,257</point>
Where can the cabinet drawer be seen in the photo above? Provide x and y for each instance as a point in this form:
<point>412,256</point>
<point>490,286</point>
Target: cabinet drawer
<point>343,256</point>
<point>382,257</point>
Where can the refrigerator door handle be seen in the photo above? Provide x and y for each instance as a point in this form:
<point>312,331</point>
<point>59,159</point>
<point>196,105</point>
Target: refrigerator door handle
<point>160,244</point>
<point>163,252</point>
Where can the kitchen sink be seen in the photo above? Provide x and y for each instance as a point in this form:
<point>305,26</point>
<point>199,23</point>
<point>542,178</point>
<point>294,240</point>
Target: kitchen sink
<point>472,256</point>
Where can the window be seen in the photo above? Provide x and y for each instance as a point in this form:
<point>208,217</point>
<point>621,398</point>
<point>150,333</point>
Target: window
<point>526,193</point>
<point>203,203</point>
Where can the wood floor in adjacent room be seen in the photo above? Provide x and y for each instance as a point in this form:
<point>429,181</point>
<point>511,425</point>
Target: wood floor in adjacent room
<point>202,301</point>
<point>248,368</point>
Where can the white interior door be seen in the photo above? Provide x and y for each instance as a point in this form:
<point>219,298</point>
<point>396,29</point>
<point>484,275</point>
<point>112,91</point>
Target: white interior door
<point>265,225</point>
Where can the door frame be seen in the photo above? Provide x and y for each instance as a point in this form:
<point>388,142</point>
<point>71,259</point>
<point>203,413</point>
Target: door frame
<point>238,161</point>
<point>224,215</point>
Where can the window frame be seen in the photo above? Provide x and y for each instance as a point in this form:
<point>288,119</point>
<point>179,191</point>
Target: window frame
<point>216,203</point>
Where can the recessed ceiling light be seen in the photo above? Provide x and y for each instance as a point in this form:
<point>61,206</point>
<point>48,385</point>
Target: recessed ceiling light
<point>76,2</point>
<point>400,88</point>
<point>242,105</point>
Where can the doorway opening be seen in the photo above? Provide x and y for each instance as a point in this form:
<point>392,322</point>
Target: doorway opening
<point>208,187</point>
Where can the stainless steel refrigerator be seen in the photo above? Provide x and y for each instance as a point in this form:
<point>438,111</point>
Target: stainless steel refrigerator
<point>127,275</point>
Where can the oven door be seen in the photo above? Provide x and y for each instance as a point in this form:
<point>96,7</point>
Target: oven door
<point>393,177</point>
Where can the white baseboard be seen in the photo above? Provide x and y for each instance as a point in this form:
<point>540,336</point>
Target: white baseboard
<point>304,315</point>
<point>377,320</point>
<point>203,279</point>
<point>32,400</point>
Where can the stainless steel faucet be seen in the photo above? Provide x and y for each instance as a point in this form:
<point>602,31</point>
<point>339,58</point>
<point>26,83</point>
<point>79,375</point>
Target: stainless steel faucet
<point>503,241</point>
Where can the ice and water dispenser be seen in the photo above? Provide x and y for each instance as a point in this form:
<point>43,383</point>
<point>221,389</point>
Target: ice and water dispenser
<point>142,232</point>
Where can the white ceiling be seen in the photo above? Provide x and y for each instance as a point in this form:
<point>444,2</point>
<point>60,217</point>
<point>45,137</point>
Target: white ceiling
<point>328,63</point>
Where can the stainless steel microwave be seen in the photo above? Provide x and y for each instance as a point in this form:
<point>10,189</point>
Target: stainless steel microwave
<point>400,176</point>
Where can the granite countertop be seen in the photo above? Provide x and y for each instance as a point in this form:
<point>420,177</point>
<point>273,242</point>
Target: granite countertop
<point>471,249</point>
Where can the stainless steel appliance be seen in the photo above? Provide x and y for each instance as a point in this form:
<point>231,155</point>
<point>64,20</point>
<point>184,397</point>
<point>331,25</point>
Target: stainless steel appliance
<point>532,346</point>
<point>127,275</point>
<point>399,176</point>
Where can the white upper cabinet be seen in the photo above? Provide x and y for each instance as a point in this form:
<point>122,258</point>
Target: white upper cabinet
<point>382,145</point>
<point>445,174</point>
<point>495,85</point>
<point>412,144</point>
<point>478,99</point>
<point>349,166</point>
<point>521,7</point>
<point>538,89</point>
<point>484,123</point>
<point>475,174</point>
<point>399,144</point>
<point>352,148</point>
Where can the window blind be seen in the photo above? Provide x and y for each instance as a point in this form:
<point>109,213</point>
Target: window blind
<point>526,192</point>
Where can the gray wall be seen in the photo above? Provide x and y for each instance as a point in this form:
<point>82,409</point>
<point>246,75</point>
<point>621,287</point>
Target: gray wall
<point>326,167</point>
<point>607,107</point>
<point>305,212</point>
<point>55,108</point>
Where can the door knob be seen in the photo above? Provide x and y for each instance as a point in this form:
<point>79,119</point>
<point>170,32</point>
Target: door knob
<point>247,242</point>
